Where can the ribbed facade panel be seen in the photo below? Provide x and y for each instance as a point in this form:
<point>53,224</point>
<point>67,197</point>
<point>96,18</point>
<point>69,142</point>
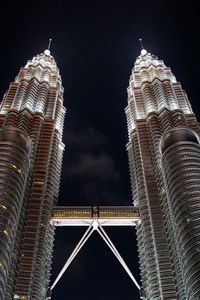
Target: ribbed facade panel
<point>15,147</point>
<point>181,167</point>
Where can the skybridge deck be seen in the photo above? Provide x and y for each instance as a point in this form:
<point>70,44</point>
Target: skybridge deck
<point>85,215</point>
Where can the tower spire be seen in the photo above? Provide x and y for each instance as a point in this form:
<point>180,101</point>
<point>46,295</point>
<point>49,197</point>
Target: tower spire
<point>49,45</point>
<point>47,51</point>
<point>143,51</point>
<point>141,43</point>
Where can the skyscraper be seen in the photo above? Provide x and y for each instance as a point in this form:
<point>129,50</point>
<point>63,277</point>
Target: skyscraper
<point>164,160</point>
<point>164,157</point>
<point>31,148</point>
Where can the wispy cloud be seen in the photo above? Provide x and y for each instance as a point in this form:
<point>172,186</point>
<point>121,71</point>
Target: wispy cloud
<point>90,167</point>
<point>93,166</point>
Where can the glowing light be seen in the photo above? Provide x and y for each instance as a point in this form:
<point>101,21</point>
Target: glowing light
<point>5,231</point>
<point>162,191</point>
<point>2,265</point>
<point>143,52</point>
<point>47,52</point>
<point>3,206</point>
<point>39,182</point>
<point>95,224</point>
<point>12,165</point>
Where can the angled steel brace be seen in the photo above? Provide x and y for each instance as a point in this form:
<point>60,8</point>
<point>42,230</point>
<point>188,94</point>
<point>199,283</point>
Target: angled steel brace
<point>95,225</point>
<point>110,244</point>
<point>82,241</point>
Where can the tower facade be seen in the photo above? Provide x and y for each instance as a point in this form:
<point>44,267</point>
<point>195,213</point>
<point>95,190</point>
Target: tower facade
<point>164,161</point>
<point>31,148</point>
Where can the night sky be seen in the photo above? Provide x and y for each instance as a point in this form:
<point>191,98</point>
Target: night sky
<point>95,44</point>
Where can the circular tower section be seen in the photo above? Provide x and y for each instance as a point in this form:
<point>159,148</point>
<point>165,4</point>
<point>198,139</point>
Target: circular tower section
<point>14,164</point>
<point>180,152</point>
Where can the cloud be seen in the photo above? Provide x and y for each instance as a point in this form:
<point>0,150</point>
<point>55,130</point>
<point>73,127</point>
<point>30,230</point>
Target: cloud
<point>90,172</point>
<point>89,140</point>
<point>90,166</point>
<point>88,157</point>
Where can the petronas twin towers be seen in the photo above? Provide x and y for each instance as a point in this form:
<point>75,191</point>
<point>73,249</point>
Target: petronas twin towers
<point>164,160</point>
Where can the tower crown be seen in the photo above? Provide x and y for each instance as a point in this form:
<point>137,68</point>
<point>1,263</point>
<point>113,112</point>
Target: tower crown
<point>45,60</point>
<point>153,87</point>
<point>146,59</point>
<point>38,88</point>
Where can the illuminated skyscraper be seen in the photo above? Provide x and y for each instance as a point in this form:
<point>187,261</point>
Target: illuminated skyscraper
<point>164,160</point>
<point>31,149</point>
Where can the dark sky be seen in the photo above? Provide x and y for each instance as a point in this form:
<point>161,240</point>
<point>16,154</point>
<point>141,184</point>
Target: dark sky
<point>95,44</point>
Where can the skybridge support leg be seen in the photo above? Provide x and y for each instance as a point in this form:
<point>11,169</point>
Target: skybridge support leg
<point>82,241</point>
<point>110,244</point>
<point>95,225</point>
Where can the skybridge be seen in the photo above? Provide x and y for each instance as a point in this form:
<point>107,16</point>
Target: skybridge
<point>95,218</point>
<point>85,215</point>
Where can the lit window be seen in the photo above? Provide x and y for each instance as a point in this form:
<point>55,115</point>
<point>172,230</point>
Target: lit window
<point>39,182</point>
<point>12,165</point>
<point>3,206</point>
<point>2,265</point>
<point>162,191</point>
<point>6,232</point>
<point>15,167</point>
